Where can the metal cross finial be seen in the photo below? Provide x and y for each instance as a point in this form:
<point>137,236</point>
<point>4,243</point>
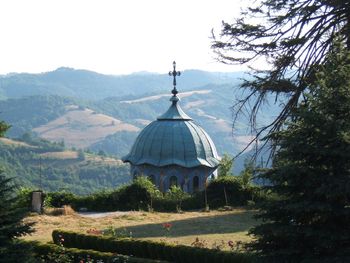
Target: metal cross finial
<point>174,73</point>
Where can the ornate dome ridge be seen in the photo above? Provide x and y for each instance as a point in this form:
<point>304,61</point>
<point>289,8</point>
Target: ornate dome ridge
<point>173,139</point>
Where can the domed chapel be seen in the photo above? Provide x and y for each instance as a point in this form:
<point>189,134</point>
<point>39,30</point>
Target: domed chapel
<point>174,150</point>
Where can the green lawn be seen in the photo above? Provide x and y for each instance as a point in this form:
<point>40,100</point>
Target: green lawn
<point>211,228</point>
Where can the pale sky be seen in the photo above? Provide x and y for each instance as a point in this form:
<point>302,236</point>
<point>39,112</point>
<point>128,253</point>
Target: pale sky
<point>111,36</point>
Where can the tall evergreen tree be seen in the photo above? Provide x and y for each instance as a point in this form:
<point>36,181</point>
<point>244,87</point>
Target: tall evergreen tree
<point>11,219</point>
<point>292,36</point>
<point>311,176</point>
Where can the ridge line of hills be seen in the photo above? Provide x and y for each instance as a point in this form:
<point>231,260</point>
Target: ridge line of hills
<point>103,114</point>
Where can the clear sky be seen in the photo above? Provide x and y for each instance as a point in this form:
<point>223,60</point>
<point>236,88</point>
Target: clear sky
<point>111,36</point>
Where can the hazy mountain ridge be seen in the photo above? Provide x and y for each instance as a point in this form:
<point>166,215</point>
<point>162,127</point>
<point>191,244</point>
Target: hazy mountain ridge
<point>100,103</point>
<point>90,85</point>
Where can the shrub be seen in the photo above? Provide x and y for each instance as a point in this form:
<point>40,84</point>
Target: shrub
<point>49,252</point>
<point>176,195</point>
<point>139,194</point>
<point>59,199</point>
<point>24,197</point>
<point>230,186</point>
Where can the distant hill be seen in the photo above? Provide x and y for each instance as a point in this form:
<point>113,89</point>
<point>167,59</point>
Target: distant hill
<point>79,127</point>
<point>50,166</point>
<point>90,85</point>
<point>84,109</point>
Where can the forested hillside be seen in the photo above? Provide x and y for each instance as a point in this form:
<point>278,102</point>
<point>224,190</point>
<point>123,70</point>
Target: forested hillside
<point>41,164</point>
<point>104,114</point>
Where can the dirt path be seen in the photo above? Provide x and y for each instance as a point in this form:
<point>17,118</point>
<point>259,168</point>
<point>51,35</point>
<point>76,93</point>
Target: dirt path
<point>104,214</point>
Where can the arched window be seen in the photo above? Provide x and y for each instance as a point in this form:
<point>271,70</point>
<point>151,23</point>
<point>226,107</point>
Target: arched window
<point>173,181</point>
<point>152,178</point>
<point>195,183</point>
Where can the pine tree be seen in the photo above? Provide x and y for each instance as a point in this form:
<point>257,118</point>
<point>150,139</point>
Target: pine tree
<point>310,219</point>
<point>11,219</point>
<point>292,36</point>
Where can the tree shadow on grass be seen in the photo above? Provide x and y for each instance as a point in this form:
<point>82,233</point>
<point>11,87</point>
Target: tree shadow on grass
<point>216,224</point>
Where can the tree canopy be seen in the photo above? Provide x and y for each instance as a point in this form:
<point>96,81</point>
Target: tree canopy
<point>311,175</point>
<point>225,167</point>
<point>293,36</point>
<point>3,128</point>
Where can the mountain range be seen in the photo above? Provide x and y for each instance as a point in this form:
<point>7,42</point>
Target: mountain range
<point>88,110</point>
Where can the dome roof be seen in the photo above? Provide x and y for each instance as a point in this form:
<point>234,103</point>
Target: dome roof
<point>173,139</point>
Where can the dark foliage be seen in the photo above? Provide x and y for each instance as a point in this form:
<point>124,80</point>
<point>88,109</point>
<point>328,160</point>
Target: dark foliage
<point>141,194</point>
<point>294,36</point>
<point>11,216</point>
<point>50,252</point>
<point>11,224</point>
<point>311,176</point>
<point>232,187</point>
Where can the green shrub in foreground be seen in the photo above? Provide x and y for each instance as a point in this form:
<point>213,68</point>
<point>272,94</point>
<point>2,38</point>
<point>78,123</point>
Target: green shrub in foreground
<point>149,249</point>
<point>50,252</point>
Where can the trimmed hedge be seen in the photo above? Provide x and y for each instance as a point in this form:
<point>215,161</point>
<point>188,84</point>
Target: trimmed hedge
<point>149,249</point>
<point>42,250</point>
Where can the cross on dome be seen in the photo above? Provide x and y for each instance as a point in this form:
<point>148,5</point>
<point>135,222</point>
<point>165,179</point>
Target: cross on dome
<point>174,73</point>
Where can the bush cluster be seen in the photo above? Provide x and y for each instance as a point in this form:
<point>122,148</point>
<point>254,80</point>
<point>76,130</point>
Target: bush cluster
<point>232,187</point>
<point>143,195</point>
<point>149,249</point>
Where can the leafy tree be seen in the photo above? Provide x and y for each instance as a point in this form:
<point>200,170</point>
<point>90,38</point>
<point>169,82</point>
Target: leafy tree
<point>3,128</point>
<point>225,167</point>
<point>247,173</point>
<point>293,36</point>
<point>152,190</point>
<point>139,195</point>
<point>311,175</point>
<point>227,190</point>
<point>175,193</point>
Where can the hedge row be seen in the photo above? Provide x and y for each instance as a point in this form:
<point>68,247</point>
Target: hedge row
<point>43,250</point>
<point>137,196</point>
<point>149,249</point>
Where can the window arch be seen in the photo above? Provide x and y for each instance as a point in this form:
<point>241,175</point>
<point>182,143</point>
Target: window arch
<point>173,181</point>
<point>195,183</point>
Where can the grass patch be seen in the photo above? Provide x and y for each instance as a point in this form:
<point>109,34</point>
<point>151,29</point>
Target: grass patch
<point>213,227</point>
